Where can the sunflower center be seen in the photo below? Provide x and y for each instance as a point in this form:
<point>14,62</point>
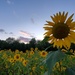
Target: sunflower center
<point>17,57</point>
<point>60,30</point>
<point>43,53</point>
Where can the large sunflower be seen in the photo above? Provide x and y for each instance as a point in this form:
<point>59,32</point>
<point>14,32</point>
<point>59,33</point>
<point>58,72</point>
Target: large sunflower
<point>61,30</point>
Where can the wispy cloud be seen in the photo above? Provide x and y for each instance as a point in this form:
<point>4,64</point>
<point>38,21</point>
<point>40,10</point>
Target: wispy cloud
<point>9,2</point>
<point>11,33</point>
<point>35,18</point>
<point>27,34</point>
<point>14,13</point>
<point>3,31</point>
<point>32,20</point>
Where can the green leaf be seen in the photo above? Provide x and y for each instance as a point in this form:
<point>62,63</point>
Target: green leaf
<point>52,58</point>
<point>46,73</point>
<point>10,73</point>
<point>70,71</point>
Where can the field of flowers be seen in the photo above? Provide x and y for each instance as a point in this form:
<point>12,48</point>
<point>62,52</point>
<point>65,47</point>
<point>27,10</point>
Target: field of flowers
<point>31,62</point>
<point>22,63</point>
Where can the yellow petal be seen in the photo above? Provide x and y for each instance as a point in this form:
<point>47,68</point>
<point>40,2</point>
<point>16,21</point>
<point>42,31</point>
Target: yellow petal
<point>72,33</point>
<point>48,33</point>
<point>69,20</point>
<point>65,16</point>
<point>62,17</point>
<point>49,23</point>
<point>47,28</point>
<point>54,19</point>
<point>52,37</point>
<point>53,40</point>
<point>67,42</point>
<point>72,25</point>
<point>59,16</point>
<point>55,43</point>
<point>60,43</point>
<point>72,28</point>
<point>71,38</point>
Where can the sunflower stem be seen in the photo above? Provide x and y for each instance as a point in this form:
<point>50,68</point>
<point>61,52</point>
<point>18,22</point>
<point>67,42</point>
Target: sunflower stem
<point>48,47</point>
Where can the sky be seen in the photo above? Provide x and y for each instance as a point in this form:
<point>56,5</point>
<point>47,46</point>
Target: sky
<point>25,19</point>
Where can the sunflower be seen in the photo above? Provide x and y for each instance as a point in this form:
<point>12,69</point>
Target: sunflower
<point>11,60</point>
<point>22,58</point>
<point>31,52</point>
<point>60,30</point>
<point>33,68</point>
<point>17,57</point>
<point>41,67</point>
<point>25,62</point>
<point>43,53</point>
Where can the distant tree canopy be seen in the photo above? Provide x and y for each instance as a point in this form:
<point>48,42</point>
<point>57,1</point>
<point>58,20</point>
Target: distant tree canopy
<point>11,43</point>
<point>10,40</point>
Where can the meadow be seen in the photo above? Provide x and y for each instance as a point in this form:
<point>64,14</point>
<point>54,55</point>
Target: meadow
<point>32,62</point>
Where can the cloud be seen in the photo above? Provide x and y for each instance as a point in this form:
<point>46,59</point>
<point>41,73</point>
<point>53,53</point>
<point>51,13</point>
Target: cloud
<point>2,30</point>
<point>14,12</point>
<point>11,33</point>
<point>26,34</point>
<point>32,20</point>
<point>9,2</point>
<point>23,39</point>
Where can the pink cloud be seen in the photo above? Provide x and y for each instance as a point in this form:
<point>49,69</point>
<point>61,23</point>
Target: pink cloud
<point>23,39</point>
<point>26,34</point>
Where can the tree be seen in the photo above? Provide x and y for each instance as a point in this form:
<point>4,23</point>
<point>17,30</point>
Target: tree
<point>10,40</point>
<point>32,42</point>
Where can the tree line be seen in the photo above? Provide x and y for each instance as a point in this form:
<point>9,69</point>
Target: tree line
<point>11,43</point>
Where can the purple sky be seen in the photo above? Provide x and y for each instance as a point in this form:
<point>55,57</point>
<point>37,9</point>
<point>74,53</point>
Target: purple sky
<point>26,18</point>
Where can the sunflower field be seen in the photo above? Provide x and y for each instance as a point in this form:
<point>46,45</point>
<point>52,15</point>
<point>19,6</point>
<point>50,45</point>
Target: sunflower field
<point>31,62</point>
<point>17,62</point>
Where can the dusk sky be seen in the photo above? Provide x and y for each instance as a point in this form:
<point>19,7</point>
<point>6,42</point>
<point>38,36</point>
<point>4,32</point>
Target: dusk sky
<point>25,19</point>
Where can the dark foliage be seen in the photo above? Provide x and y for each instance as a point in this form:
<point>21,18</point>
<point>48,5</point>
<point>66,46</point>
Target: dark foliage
<point>13,44</point>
